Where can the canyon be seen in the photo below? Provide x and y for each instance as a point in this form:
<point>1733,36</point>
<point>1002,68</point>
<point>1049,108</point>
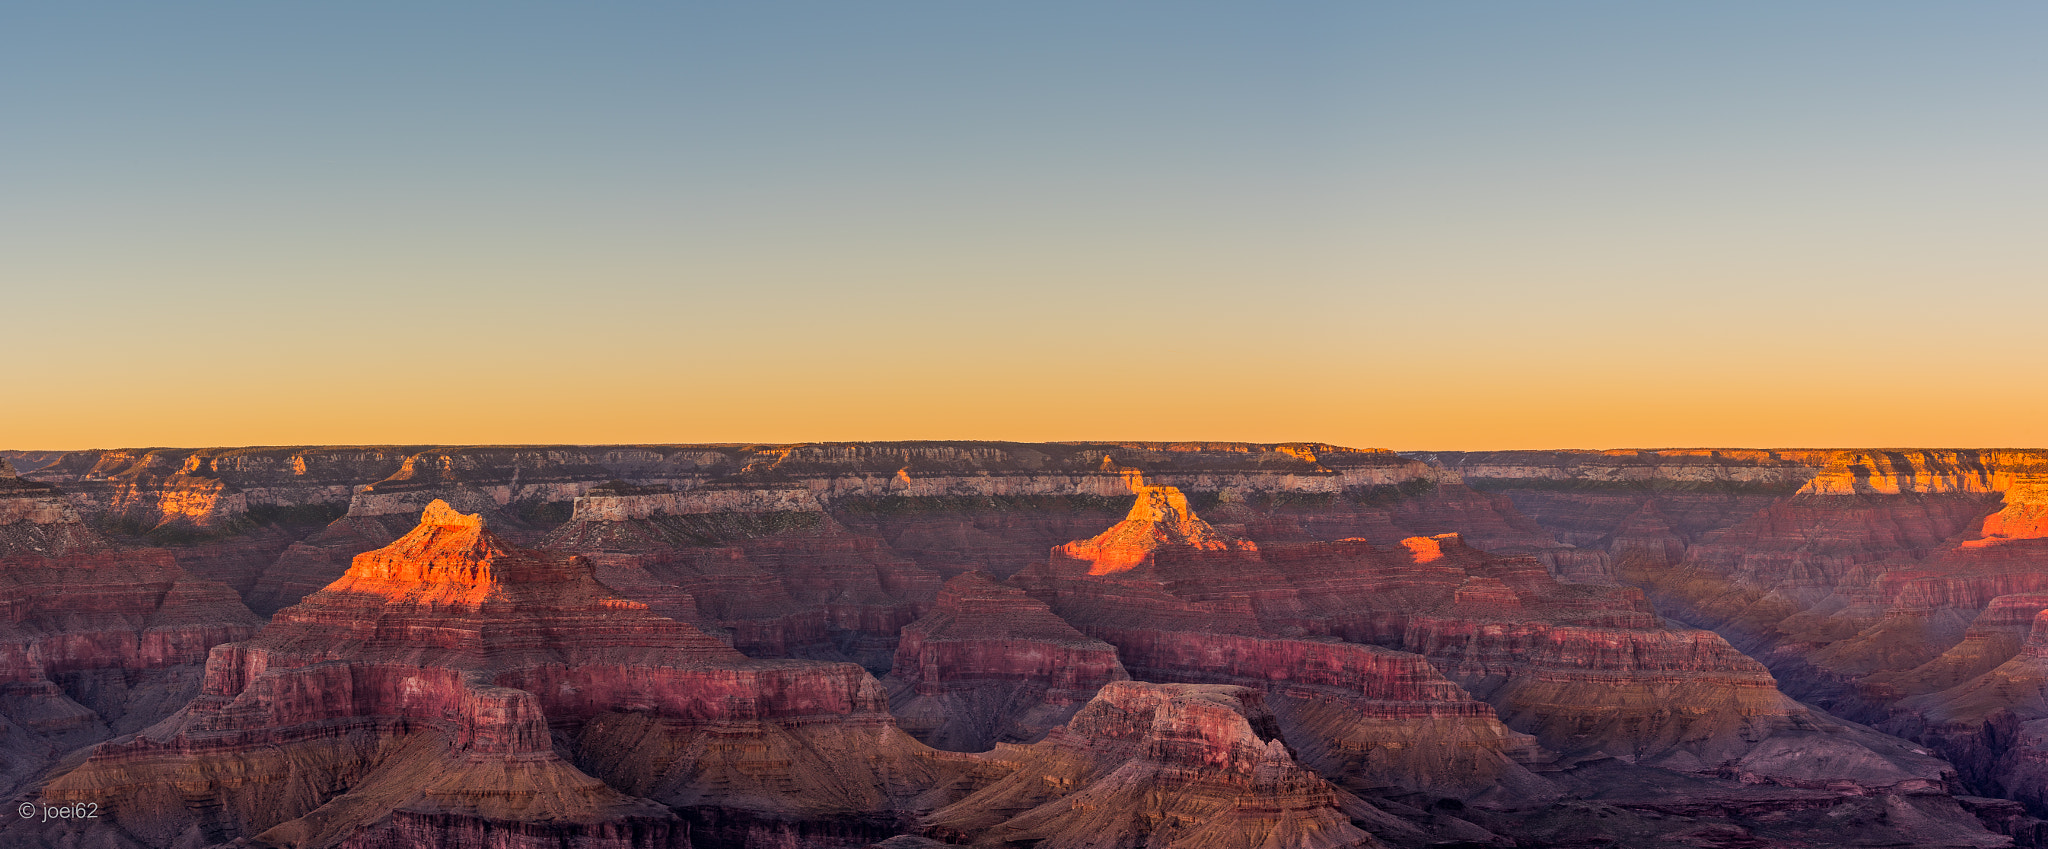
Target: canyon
<point>1025,644</point>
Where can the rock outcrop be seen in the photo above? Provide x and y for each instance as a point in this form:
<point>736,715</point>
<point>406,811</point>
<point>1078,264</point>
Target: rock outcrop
<point>1994,725</point>
<point>36,519</point>
<point>781,582</point>
<point>1462,646</point>
<point>96,640</point>
<point>425,696</point>
<point>991,665</point>
<point>1158,765</point>
<point>1160,519</point>
<point>1587,670</point>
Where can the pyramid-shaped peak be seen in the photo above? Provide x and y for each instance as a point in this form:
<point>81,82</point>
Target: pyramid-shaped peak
<point>1160,519</point>
<point>7,469</point>
<point>452,558</point>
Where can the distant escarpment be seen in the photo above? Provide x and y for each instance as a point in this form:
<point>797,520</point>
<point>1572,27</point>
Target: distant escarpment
<point>212,488</point>
<point>253,518</point>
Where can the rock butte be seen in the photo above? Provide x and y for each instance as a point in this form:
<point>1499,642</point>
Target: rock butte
<point>1399,649</point>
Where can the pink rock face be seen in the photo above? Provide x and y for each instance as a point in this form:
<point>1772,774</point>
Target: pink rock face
<point>1994,725</point>
<point>95,641</point>
<point>1409,637</point>
<point>1588,670</point>
<point>781,584</point>
<point>452,652</point>
<point>992,665</point>
<point>1157,765</point>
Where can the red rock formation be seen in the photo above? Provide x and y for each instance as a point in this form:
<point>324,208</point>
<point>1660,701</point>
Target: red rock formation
<point>1161,519</point>
<point>1587,669</point>
<point>1994,637</point>
<point>1810,586</point>
<point>1994,725</point>
<point>36,519</point>
<point>990,665</point>
<point>309,564</point>
<point>1211,610</point>
<point>95,640</point>
<point>421,694</point>
<point>2022,515</point>
<point>782,582</point>
<point>1851,591</point>
<point>1158,765</point>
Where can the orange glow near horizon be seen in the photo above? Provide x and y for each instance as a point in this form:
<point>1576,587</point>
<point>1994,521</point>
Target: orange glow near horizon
<point>1376,225</point>
<point>1442,405</point>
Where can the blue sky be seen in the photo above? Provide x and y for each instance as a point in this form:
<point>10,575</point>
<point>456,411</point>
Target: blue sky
<point>1560,224</point>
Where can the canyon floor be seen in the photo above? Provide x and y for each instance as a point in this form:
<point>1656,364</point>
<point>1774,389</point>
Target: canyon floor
<point>1051,645</point>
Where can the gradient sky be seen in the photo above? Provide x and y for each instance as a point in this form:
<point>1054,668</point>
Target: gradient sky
<point>1413,225</point>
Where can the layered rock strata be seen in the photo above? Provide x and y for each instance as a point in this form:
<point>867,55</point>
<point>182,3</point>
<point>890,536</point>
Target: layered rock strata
<point>991,665</point>
<point>36,519</point>
<point>1589,671</point>
<point>425,696</point>
<point>96,640</point>
<point>1158,765</point>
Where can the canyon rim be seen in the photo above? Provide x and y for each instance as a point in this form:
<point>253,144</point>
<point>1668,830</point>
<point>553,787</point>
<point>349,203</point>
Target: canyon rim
<point>998,644</point>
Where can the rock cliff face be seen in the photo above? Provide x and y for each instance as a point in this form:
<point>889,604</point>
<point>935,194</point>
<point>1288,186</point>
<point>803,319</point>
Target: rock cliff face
<point>423,694</point>
<point>1461,647</point>
<point>1891,586</point>
<point>991,665</point>
<point>1158,765</point>
<point>215,487</point>
<point>1353,631</point>
<point>250,517</point>
<point>1660,469</point>
<point>1995,724</point>
<point>36,519</point>
<point>780,583</point>
<point>96,640</point>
